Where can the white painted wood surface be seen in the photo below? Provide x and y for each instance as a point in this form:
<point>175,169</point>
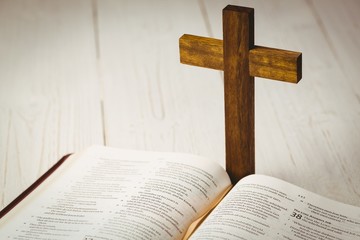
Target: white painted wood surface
<point>76,73</point>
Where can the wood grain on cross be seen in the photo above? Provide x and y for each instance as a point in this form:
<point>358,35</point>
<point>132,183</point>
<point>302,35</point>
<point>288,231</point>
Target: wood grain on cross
<point>241,61</point>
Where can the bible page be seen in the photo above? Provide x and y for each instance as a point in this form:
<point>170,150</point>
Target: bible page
<point>107,193</point>
<point>261,207</point>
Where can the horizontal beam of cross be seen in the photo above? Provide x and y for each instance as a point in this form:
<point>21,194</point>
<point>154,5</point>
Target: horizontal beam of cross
<point>264,62</point>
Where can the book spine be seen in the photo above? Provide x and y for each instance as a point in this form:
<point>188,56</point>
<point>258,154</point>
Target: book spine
<point>33,186</point>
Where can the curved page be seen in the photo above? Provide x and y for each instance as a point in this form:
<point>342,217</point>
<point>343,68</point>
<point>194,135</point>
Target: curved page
<point>107,193</point>
<point>261,207</point>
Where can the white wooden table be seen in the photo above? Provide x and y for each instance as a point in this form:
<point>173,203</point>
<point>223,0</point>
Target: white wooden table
<point>76,73</point>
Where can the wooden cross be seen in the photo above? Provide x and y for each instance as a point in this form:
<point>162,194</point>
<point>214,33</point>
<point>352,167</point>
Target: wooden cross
<point>241,61</point>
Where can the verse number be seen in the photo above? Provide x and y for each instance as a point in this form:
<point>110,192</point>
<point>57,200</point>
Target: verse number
<point>296,215</point>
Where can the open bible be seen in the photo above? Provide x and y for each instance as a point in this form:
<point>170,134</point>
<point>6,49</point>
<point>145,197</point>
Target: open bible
<point>105,193</point>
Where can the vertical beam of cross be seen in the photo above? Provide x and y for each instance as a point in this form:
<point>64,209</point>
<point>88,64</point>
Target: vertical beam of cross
<point>241,61</point>
<point>238,39</point>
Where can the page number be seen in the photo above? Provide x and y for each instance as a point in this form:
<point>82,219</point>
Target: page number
<point>296,215</point>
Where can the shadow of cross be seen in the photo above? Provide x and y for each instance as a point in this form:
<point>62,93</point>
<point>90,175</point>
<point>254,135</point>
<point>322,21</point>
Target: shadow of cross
<point>241,61</point>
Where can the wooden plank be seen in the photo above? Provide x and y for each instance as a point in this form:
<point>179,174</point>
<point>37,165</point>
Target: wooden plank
<point>151,100</point>
<point>339,29</point>
<point>238,32</point>
<point>342,37</point>
<point>49,98</point>
<point>317,122</point>
<point>276,64</point>
<point>265,62</point>
<point>201,51</point>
